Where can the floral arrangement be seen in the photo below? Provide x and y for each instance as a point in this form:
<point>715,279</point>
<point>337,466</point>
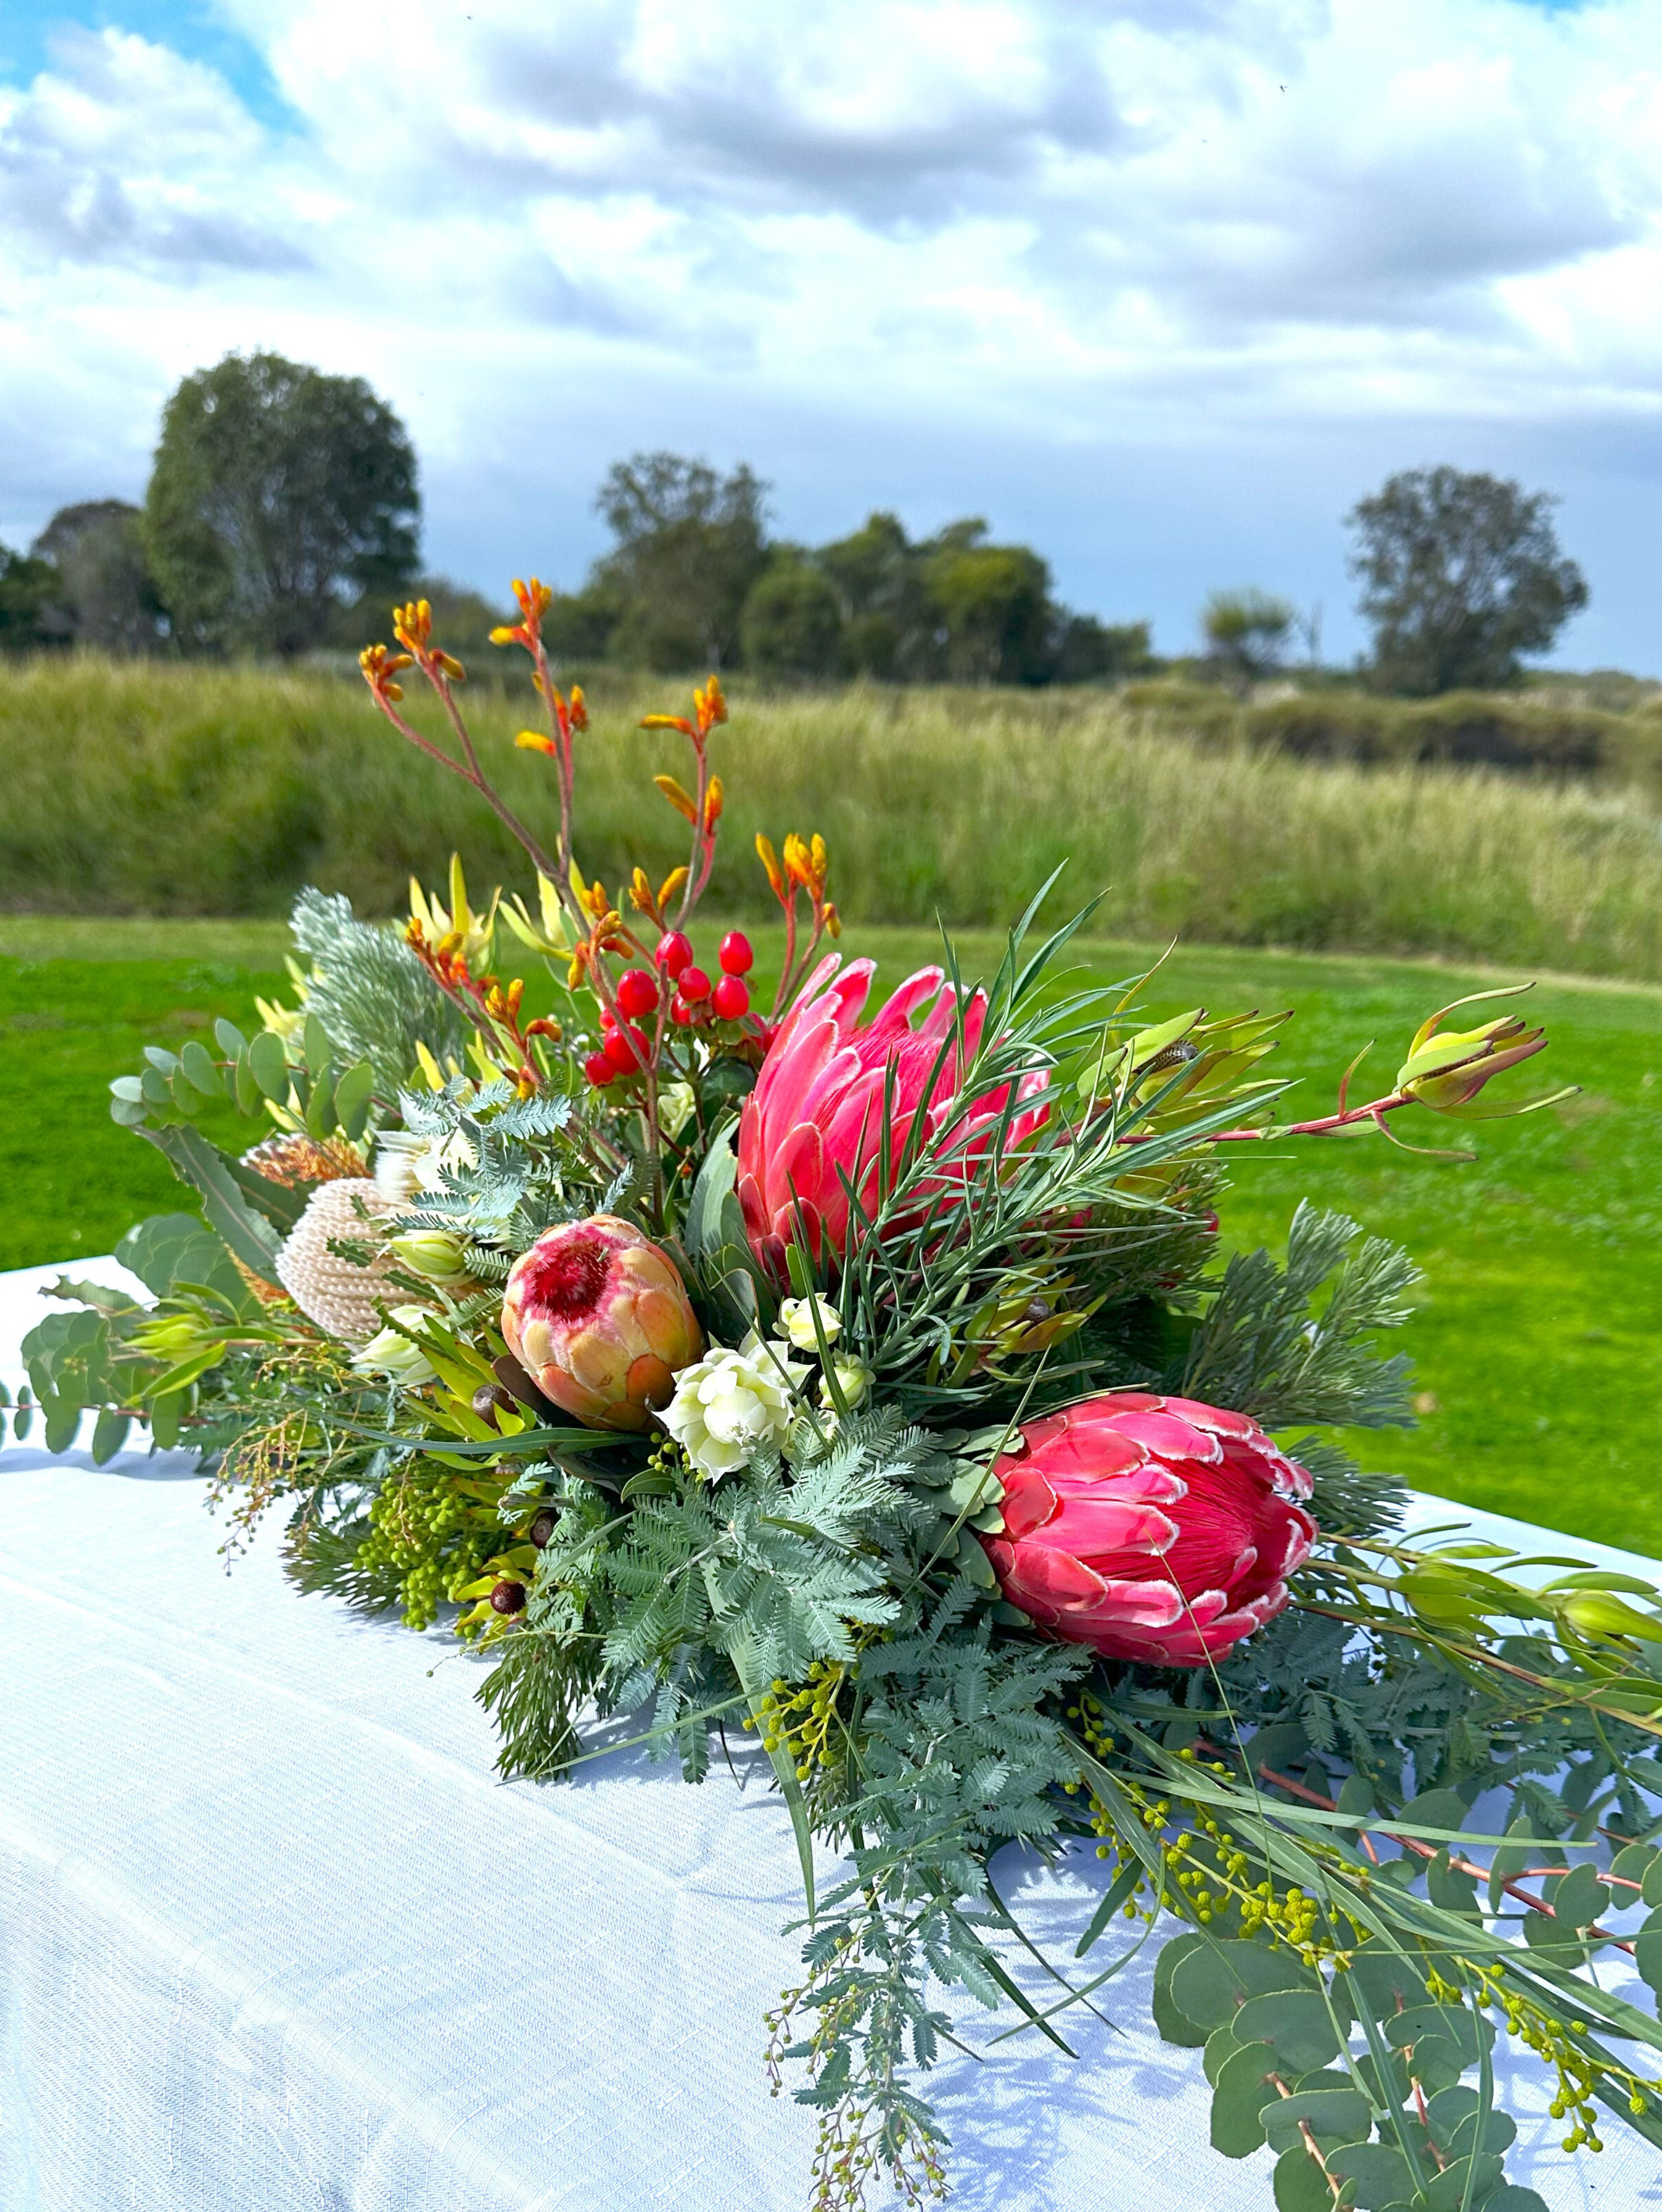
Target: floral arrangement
<point>740,1360</point>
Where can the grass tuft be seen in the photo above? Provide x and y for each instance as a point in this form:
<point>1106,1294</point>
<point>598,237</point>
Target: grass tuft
<point>159,790</point>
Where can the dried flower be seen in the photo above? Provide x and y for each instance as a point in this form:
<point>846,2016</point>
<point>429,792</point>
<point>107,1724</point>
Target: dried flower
<point>294,1158</point>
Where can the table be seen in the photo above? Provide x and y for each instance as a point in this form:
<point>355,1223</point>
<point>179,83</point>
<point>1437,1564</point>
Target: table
<point>273,1936</point>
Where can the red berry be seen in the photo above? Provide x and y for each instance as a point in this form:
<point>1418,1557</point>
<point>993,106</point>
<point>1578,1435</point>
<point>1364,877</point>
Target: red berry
<point>680,1012</point>
<point>598,1069</point>
<point>637,993</point>
<point>627,1051</point>
<point>675,953</point>
<point>736,956</point>
<point>695,985</point>
<point>732,998</point>
<point>608,1019</point>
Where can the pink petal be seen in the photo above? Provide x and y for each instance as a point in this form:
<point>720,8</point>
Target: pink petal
<point>797,1169</point>
<point>1168,1435</point>
<point>1151,1604</point>
<point>1104,1523</point>
<point>1216,1419</point>
<point>1030,1501</point>
<point>1055,1579</point>
<point>1096,1453</point>
<point>907,998</point>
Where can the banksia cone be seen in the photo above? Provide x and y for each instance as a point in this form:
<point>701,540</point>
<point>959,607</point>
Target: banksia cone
<point>600,1319</point>
<point>1151,1528</point>
<point>340,1297</point>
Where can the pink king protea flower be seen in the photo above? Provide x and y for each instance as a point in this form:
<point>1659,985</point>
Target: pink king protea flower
<point>598,1317</point>
<point>1153,1529</point>
<point>816,1113</point>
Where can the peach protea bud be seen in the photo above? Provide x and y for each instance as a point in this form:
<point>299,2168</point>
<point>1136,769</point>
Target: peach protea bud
<point>599,1317</point>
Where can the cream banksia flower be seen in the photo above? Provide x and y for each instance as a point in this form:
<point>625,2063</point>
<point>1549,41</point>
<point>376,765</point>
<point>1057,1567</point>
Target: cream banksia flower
<point>730,1404</point>
<point>342,1298</point>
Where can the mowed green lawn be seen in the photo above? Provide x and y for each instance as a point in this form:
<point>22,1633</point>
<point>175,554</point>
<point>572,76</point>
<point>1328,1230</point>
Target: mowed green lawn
<point>1538,1332</point>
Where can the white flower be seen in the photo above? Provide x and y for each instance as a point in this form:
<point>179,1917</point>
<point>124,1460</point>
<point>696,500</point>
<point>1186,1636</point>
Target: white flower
<point>397,1154</point>
<point>388,1353</point>
<point>852,1380</point>
<point>796,1319</point>
<point>676,1102</point>
<point>729,1404</point>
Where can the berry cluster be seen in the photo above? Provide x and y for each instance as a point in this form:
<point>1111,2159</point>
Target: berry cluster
<point>626,1049</point>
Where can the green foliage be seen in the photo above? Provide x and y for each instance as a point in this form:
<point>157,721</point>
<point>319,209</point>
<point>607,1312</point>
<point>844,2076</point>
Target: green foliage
<point>689,543</point>
<point>371,993</point>
<point>1246,632</point>
<point>1258,1348</point>
<point>793,623</point>
<point>1463,575</point>
<point>994,603</point>
<point>31,613</point>
<point>276,490</point>
<point>110,600</point>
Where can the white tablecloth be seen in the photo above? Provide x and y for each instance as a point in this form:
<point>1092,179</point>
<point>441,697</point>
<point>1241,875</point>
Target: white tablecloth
<point>272,1935</point>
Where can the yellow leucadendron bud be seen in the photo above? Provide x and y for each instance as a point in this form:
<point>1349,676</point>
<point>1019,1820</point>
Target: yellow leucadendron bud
<point>433,1254</point>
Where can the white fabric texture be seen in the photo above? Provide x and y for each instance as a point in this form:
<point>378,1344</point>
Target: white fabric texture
<point>273,1936</point>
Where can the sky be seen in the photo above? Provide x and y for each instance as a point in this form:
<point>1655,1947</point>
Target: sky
<point>1159,287</point>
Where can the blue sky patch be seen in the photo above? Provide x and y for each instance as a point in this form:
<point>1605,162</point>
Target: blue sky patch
<point>191,28</point>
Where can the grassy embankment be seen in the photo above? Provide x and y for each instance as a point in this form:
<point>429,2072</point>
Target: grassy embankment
<point>1537,1333</point>
<point>194,791</point>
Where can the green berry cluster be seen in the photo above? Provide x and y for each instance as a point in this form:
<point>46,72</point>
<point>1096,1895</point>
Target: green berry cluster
<point>435,1532</point>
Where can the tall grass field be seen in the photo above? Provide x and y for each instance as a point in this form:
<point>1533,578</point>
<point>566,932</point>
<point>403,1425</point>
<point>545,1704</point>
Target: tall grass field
<point>178,790</point>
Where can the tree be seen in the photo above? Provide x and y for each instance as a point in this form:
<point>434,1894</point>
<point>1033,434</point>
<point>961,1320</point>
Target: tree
<point>31,609</point>
<point>278,495</point>
<point>1463,575</point>
<point>110,598</point>
<point>1246,632</point>
<point>995,604</point>
<point>792,622</point>
<point>691,545</point>
<point>1088,651</point>
<point>890,628</point>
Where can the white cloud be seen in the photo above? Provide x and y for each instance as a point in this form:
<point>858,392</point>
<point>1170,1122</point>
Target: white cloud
<point>974,244</point>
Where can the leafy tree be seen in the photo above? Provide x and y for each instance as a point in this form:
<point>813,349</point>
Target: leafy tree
<point>691,545</point>
<point>1246,632</point>
<point>110,598</point>
<point>793,623</point>
<point>995,604</point>
<point>1088,651</point>
<point>278,494</point>
<point>31,610</point>
<point>890,627</point>
<point>1463,575</point>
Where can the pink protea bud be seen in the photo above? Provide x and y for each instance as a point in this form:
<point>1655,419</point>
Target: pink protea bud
<point>811,1132</point>
<point>598,1317</point>
<point>1152,1528</point>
